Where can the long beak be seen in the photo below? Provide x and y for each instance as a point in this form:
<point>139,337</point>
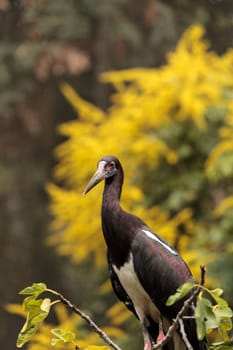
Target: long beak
<point>99,175</point>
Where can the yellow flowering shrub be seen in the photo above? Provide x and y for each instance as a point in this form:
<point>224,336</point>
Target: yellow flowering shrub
<point>171,128</point>
<point>145,102</point>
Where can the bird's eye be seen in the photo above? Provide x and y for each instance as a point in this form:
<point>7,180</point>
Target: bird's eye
<point>110,165</point>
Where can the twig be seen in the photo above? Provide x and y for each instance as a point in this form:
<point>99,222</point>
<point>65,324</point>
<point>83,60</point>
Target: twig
<point>184,335</point>
<point>186,305</point>
<point>171,330</point>
<point>91,323</point>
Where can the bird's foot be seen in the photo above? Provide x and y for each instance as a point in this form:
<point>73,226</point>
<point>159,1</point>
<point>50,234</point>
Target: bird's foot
<point>146,337</point>
<point>147,345</point>
<point>160,337</point>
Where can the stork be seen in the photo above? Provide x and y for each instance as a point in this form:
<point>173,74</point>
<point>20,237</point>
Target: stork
<point>144,269</point>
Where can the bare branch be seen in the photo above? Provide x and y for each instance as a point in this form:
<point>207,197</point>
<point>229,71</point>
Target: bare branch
<point>184,335</point>
<point>187,304</point>
<point>176,322</point>
<point>202,279</point>
<point>91,323</point>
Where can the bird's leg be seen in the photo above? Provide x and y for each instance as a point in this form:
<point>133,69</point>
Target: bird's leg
<point>146,338</point>
<point>160,337</point>
<point>161,333</point>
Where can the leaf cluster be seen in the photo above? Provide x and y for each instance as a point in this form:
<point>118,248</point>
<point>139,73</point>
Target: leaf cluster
<point>211,312</point>
<point>37,310</point>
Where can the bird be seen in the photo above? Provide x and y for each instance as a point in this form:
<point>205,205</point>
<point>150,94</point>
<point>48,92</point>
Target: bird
<point>144,269</point>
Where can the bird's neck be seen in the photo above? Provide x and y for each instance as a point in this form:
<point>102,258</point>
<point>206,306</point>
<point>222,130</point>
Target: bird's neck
<point>111,208</point>
<point>114,222</point>
<point>112,189</point>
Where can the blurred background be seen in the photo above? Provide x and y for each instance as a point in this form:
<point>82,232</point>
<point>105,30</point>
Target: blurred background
<point>43,44</point>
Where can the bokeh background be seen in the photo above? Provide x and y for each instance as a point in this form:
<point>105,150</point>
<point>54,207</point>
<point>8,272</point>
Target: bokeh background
<point>52,52</point>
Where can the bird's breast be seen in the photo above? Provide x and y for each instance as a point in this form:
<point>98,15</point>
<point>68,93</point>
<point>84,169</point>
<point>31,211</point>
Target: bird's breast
<point>143,304</point>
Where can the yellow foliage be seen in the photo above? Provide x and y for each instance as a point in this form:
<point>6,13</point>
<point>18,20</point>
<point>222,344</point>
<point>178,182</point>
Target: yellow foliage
<point>42,339</point>
<point>16,309</point>
<point>70,322</point>
<point>85,109</point>
<point>224,205</point>
<point>76,231</point>
<point>118,313</point>
<point>188,85</point>
<point>225,146</point>
<point>145,100</point>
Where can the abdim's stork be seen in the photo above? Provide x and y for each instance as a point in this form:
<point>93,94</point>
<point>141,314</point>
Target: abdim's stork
<point>144,269</point>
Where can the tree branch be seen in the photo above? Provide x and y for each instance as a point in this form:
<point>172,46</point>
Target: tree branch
<point>91,323</point>
<point>171,330</point>
<point>179,316</point>
<point>184,335</point>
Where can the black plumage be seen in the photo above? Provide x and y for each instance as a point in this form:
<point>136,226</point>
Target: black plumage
<point>144,269</point>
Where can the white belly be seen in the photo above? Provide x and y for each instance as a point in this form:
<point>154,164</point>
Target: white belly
<point>141,300</point>
<point>143,305</point>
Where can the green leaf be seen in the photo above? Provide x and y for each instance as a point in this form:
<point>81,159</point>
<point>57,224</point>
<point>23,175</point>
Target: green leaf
<point>225,326</point>
<point>37,311</point>
<point>228,345</point>
<point>222,302</point>
<point>181,292</point>
<point>223,331</point>
<point>200,329</point>
<point>203,312</point>
<point>221,311</point>
<point>56,341</point>
<point>36,289</point>
<point>210,317</point>
<point>62,336</point>
<point>29,329</point>
<point>216,292</point>
<point>25,336</point>
<point>46,305</point>
<point>212,322</point>
<point>30,303</point>
<point>203,307</point>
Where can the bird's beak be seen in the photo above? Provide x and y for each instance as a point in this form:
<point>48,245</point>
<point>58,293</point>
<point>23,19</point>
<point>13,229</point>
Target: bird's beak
<point>99,175</point>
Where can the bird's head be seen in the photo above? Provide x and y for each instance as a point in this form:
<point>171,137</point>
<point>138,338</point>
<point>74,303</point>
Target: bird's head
<point>107,168</point>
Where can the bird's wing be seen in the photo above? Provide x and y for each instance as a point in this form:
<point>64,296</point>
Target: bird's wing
<point>161,271</point>
<point>122,295</point>
<point>159,268</point>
